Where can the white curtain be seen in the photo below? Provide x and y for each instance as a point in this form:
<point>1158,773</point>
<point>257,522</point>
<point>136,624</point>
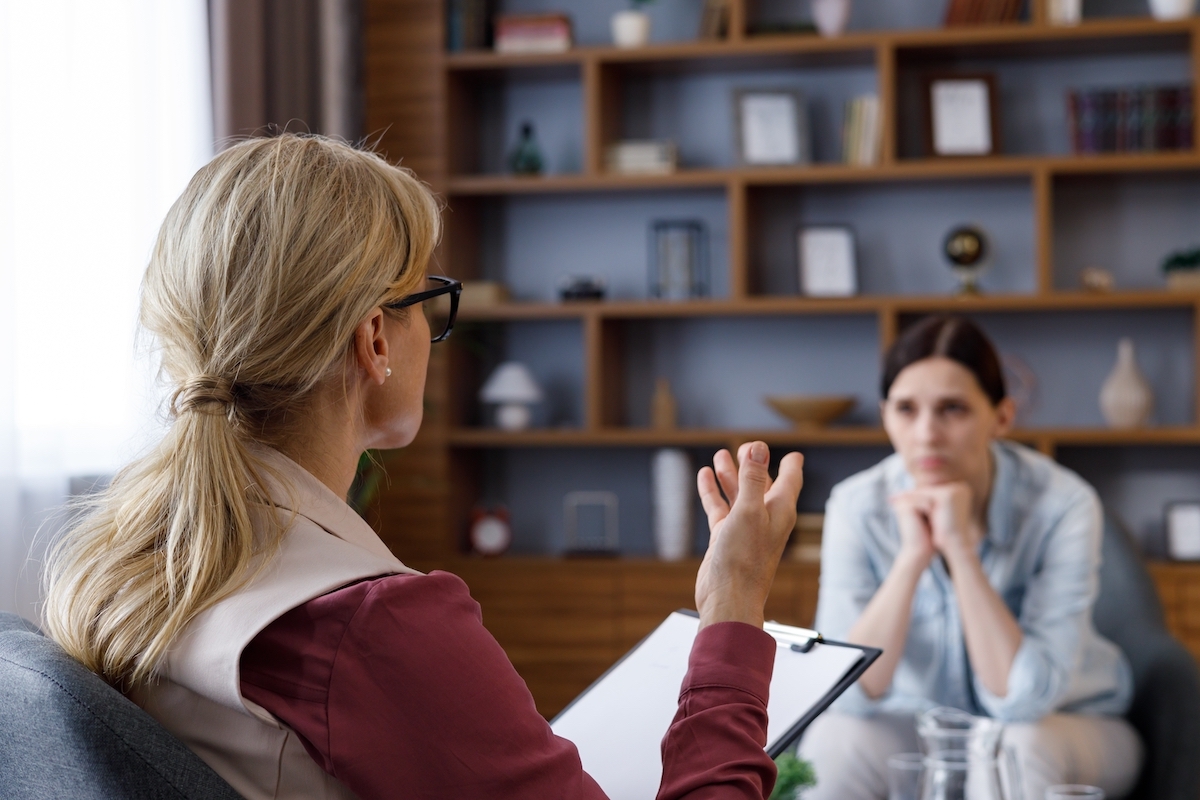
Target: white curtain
<point>105,114</point>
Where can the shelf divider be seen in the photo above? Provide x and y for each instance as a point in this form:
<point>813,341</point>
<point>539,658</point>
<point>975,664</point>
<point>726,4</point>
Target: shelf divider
<point>739,239</point>
<point>885,85</point>
<point>889,327</point>
<point>604,373</point>
<point>1043,227</point>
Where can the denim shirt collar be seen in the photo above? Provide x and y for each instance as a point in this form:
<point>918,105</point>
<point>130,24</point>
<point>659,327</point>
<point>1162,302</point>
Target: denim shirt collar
<point>1000,504</point>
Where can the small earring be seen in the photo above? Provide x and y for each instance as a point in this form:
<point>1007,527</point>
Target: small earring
<point>387,372</point>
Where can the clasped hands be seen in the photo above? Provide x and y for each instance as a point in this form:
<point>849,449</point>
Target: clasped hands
<point>749,527</point>
<point>937,520</point>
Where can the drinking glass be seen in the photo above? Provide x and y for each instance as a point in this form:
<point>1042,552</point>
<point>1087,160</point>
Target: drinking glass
<point>904,776</point>
<point>946,776</point>
<point>1074,791</point>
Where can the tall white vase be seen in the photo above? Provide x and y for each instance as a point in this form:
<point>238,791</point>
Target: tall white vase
<point>673,486</point>
<point>1126,398</point>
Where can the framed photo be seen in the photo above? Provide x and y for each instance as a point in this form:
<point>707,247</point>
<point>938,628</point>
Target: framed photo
<point>771,127</point>
<point>1183,531</point>
<point>826,262</point>
<point>961,116</point>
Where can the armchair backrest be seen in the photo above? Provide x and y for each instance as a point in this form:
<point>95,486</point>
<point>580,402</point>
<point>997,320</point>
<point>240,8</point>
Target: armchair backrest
<point>64,732</point>
<point>1166,698</point>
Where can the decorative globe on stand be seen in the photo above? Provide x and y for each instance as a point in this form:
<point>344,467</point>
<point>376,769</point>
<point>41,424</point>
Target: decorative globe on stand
<point>966,248</point>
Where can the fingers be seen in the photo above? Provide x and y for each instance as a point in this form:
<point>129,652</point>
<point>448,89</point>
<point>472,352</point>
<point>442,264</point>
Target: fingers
<point>786,488</point>
<point>752,477</point>
<point>727,474</point>
<point>914,500</point>
<point>715,507</point>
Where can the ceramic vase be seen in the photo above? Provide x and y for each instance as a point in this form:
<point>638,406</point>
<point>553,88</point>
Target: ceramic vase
<point>672,484</point>
<point>630,28</point>
<point>831,16</point>
<point>1172,9</point>
<point>1126,399</point>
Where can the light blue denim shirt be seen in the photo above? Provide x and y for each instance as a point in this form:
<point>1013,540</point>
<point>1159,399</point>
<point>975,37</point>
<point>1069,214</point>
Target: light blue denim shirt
<point>1041,554</point>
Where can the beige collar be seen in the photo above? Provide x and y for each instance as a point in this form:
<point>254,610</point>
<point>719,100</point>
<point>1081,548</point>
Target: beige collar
<point>294,488</point>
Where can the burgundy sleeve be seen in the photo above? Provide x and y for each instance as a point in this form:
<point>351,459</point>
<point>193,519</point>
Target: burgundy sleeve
<point>715,746</point>
<point>394,685</point>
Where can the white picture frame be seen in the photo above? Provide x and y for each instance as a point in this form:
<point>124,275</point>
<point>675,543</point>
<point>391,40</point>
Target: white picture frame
<point>826,261</point>
<point>962,115</point>
<point>771,127</point>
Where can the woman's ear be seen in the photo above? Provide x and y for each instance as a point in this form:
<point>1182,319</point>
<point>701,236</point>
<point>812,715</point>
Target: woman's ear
<point>1006,416</point>
<point>371,347</point>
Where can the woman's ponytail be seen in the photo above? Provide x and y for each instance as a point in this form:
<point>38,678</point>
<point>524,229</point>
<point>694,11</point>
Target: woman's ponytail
<point>261,272</point>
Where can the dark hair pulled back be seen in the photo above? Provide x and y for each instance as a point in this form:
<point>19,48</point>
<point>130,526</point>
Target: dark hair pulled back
<point>951,337</point>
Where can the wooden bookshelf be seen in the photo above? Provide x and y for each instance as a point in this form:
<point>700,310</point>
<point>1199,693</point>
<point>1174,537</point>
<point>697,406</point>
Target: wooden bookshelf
<point>438,88</point>
<point>562,621</point>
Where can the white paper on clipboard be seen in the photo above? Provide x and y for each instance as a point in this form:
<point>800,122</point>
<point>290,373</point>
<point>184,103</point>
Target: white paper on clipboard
<point>618,724</point>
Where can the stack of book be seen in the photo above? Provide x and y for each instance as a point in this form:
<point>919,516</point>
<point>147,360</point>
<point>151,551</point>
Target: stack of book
<point>533,33</point>
<point>983,12</point>
<point>1137,120</point>
<point>642,157</point>
<point>467,25</point>
<point>860,131</point>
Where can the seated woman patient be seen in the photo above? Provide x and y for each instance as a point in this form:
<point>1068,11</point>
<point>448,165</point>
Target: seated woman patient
<point>973,563</point>
<point>225,585</point>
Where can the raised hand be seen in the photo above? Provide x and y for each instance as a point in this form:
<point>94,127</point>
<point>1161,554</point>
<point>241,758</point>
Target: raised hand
<point>747,533</point>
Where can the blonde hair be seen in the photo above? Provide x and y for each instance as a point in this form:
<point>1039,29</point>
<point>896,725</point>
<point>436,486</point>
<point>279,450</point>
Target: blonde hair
<point>262,270</point>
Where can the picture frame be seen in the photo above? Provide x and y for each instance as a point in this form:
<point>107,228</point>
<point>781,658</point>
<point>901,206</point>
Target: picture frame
<point>771,127</point>
<point>591,520</point>
<point>825,261</point>
<point>1182,523</point>
<point>962,118</point>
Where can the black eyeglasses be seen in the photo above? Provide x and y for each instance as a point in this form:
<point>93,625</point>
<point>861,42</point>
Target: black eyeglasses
<point>439,318</point>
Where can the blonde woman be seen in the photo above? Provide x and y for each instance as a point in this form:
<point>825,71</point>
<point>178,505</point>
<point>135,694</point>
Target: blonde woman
<point>225,585</point>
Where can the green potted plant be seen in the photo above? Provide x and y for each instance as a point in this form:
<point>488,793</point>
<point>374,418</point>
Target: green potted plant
<point>1182,269</point>
<point>631,27</point>
<point>795,775</point>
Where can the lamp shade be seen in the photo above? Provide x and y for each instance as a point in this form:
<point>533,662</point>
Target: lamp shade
<point>511,382</point>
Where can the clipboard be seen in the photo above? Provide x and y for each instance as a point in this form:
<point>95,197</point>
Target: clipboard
<point>618,723</point>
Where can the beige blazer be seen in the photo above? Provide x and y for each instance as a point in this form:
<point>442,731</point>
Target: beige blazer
<point>198,696</point>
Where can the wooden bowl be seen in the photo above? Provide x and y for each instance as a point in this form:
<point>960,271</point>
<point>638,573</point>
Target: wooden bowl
<point>809,411</point>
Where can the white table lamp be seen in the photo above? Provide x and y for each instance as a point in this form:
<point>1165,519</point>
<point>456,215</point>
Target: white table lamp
<point>512,386</point>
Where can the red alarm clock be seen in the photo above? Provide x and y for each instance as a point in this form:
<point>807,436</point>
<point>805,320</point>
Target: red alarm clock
<point>490,533</point>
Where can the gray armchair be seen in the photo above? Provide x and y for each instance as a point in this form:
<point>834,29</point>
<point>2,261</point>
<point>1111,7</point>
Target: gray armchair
<point>64,732</point>
<point>1166,700</point>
